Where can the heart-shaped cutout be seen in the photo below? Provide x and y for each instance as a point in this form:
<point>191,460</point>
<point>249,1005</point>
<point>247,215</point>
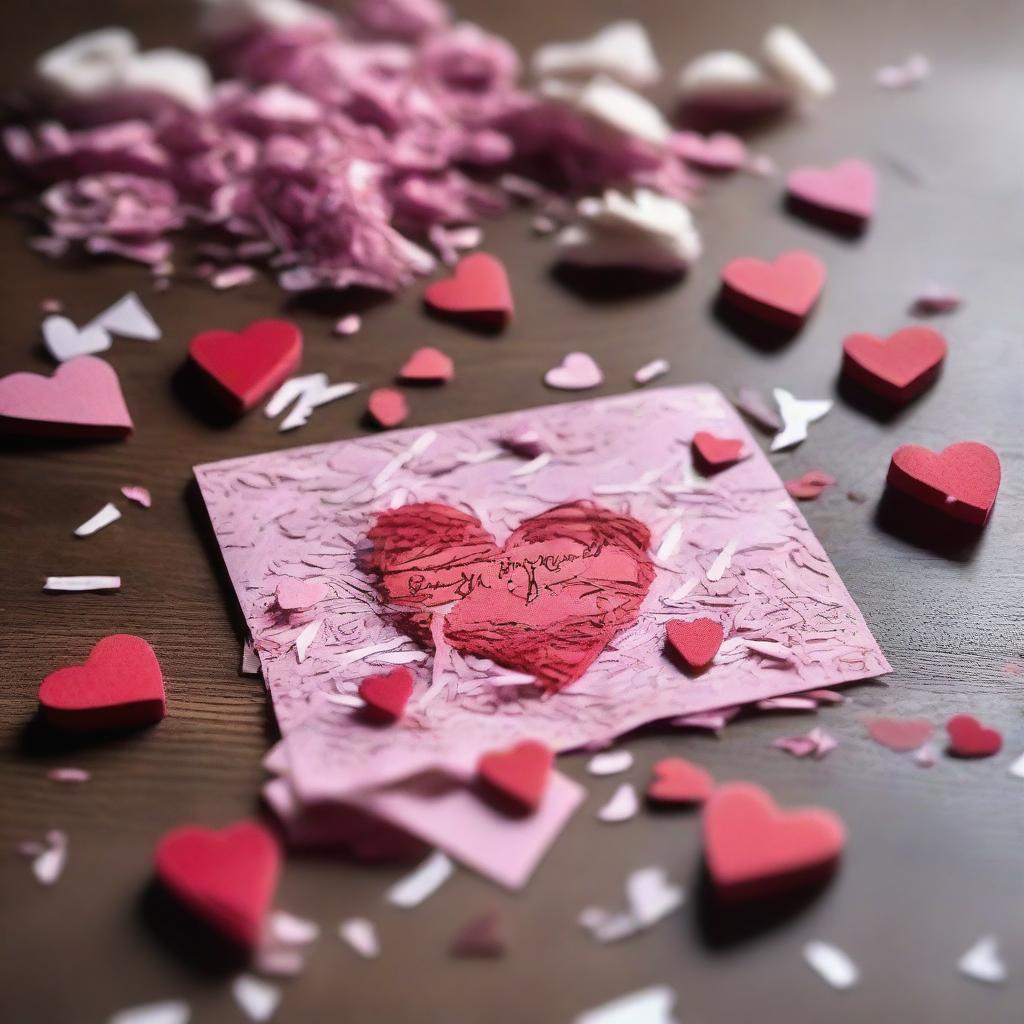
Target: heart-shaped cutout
<point>296,595</point>
<point>848,191</point>
<point>783,292</point>
<point>386,696</point>
<point>547,603</point>
<point>969,738</point>
<point>226,878</point>
<point>244,368</point>
<point>520,773</point>
<point>479,291</point>
<point>961,480</point>
<point>677,781</point>
<point>809,486</point>
<point>900,734</point>
<point>753,849</point>
<point>120,686</point>
<point>387,407</point>
<point>695,641</point>
<point>715,452</point>
<point>427,366</point>
<point>64,340</point>
<point>721,151</point>
<point>898,368</point>
<point>577,372</point>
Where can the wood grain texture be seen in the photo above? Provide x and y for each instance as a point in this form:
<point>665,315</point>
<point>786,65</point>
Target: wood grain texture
<point>933,860</point>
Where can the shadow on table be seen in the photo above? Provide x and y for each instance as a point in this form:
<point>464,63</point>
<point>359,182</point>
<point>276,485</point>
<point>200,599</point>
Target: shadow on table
<point>613,284</point>
<point>867,402</point>
<point>37,738</point>
<point>757,333</point>
<point>929,529</point>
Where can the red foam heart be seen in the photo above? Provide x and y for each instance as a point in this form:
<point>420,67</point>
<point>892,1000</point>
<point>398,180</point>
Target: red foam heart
<point>900,734</point>
<point>810,485</point>
<point>961,480</point>
<point>427,365</point>
<point>119,686</point>
<point>479,291</point>
<point>295,595</point>
<point>898,368</point>
<point>848,190</point>
<point>696,641</point>
<point>717,452</point>
<point>546,603</point>
<point>754,849</point>
<point>677,781</point>
<point>520,773</point>
<point>969,738</point>
<point>387,695</point>
<point>782,292</point>
<point>245,367</point>
<point>82,400</point>
<point>720,151</point>
<point>227,878</point>
<point>388,407</point>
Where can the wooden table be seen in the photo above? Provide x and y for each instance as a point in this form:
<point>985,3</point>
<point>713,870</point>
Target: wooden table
<point>934,855</point>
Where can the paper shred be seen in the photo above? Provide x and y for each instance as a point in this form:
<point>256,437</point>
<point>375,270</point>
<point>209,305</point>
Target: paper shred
<point>649,371</point>
<point>817,744</point>
<point>621,50</point>
<point>612,105</point>
<point>74,776</point>
<point>755,407</point>
<point>346,326</point>
<point>290,390</point>
<point>168,1011</point>
<point>480,937</point>
<point>786,704</point>
<point>576,372</point>
<point>611,763</point>
<point>106,515</point>
<point>1017,768</point>
<point>792,59</point>
<point>914,70</point>
<point>650,898</point>
<point>722,562</point>
<point>651,1005</point>
<point>361,935</point>
<point>128,318</point>
<point>926,756</point>
<point>622,806</point>
<point>533,466</point>
<point>308,392</point>
<point>48,857</point>
<point>233,277</point>
<point>983,963</point>
<point>72,584</point>
<point>250,665</point>
<point>256,998</point>
<point>412,890</point>
<point>670,543</point>
<point>305,638</point>
<point>809,486</point>
<point>712,721</point>
<point>832,964</point>
<point>51,306</point>
<point>826,696</point>
<point>797,414</point>
<point>139,495</point>
<point>935,299</point>
<point>291,930</point>
<point>279,961</point>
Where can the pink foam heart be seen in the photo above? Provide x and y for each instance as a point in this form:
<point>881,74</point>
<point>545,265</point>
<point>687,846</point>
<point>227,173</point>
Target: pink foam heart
<point>520,773</point>
<point>427,365</point>
<point>961,480</point>
<point>577,372</point>
<point>388,407</point>
<point>696,641</point>
<point>783,292</point>
<point>677,781</point>
<point>969,738</point>
<point>386,696</point>
<point>479,290</point>
<point>82,399</point>
<point>716,452</point>
<point>897,368</point>
<point>721,151</point>
<point>848,190</point>
<point>295,595</point>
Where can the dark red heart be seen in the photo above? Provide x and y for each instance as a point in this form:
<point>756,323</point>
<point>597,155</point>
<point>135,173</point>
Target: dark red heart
<point>227,878</point>
<point>245,367</point>
<point>848,190</point>
<point>480,937</point>
<point>969,738</point>
<point>754,849</point>
<point>479,291</point>
<point>546,603</point>
<point>783,292</point>
<point>900,734</point>
<point>898,368</point>
<point>388,407</point>
<point>677,781</point>
<point>520,773</point>
<point>696,641</point>
<point>427,366</point>
<point>387,696</point>
<point>961,480</point>
<point>717,452</point>
<point>120,686</point>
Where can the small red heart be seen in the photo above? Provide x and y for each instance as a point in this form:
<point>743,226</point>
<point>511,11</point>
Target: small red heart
<point>387,696</point>
<point>227,878</point>
<point>696,641</point>
<point>717,452</point>
<point>521,772</point>
<point>479,291</point>
<point>969,738</point>
<point>119,686</point>
<point>848,190</point>
<point>427,365</point>
<point>721,151</point>
<point>899,734</point>
<point>296,595</point>
<point>245,367</point>
<point>782,292</point>
<point>810,485</point>
<point>754,849</point>
<point>961,480</point>
<point>677,781</point>
<point>388,407</point>
<point>898,368</point>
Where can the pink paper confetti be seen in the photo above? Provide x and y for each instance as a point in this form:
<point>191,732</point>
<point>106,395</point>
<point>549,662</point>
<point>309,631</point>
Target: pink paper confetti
<point>787,704</point>
<point>649,371</point>
<point>49,857</point>
<point>69,775</point>
<point>140,495</point>
<point>817,744</point>
<point>934,299</point>
<point>622,806</point>
<point>361,935</point>
<point>256,998</point>
<point>348,325</point>
<point>914,70</point>
<point>233,277</point>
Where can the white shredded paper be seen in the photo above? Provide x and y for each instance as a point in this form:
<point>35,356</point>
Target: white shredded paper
<point>651,1005</point>
<point>305,638</point>
<point>650,898</point>
<point>623,805</point>
<point>412,890</point>
<point>832,964</point>
<point>361,935</point>
<point>79,583</point>
<point>257,999</point>
<point>1017,768</point>
<point>168,1011</point>
<point>106,515</point>
<point>610,763</point>
<point>983,963</point>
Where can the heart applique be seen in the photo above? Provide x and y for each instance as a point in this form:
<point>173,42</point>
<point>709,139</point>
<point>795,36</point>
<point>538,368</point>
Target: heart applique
<point>387,407</point>
<point>479,292</point>
<point>783,292</point>
<point>577,372</point>
<point>64,340</point>
<point>900,734</point>
<point>969,738</point>
<point>753,849</point>
<point>898,368</point>
<point>961,480</point>
<point>847,191</point>
<point>696,641</point>
<point>677,781</point>
<point>226,878</point>
<point>386,696</point>
<point>520,773</point>
<point>244,368</point>
<point>81,400</point>
<point>296,595</point>
<point>721,151</point>
<point>120,686</point>
<point>427,366</point>
<point>717,452</point>
<point>546,603</point>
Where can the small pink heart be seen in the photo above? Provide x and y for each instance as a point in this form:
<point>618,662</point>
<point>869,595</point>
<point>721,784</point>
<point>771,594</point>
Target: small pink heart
<point>577,372</point>
<point>388,407</point>
<point>849,189</point>
<point>387,696</point>
<point>427,365</point>
<point>295,595</point>
<point>64,340</point>
<point>717,452</point>
<point>721,151</point>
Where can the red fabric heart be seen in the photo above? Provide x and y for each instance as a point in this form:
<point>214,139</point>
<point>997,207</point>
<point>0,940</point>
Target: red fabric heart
<point>721,151</point>
<point>697,641</point>
<point>227,878</point>
<point>245,367</point>
<point>387,695</point>
<point>898,368</point>
<point>427,365</point>
<point>677,781</point>
<point>119,686</point>
<point>782,292</point>
<point>961,480</point>
<point>546,603</point>
<point>520,773</point>
<point>479,291</point>
<point>969,738</point>
<point>849,189</point>
<point>899,734</point>
<point>717,452</point>
<point>388,407</point>
<point>754,849</point>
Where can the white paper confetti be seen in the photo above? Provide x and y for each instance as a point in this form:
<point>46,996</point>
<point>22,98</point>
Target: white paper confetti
<point>412,890</point>
<point>72,776</point>
<point>81,583</point>
<point>533,466</point>
<point>610,763</point>
<point>361,935</point>
<point>417,448</point>
<point>348,325</point>
<point>64,340</point>
<point>1017,768</point>
<point>651,1005</point>
<point>621,50</point>
<point>305,638</point>
<point>250,665</point>
<point>669,541</point>
<point>169,1011</point>
<point>292,930</point>
<point>983,963</point>
<point>649,371</point>
<point>129,318</point>
<point>796,415</point>
<point>650,898</point>
<point>721,564</point>
<point>623,805</point>
<point>837,969</point>
<point>789,56</point>
<point>138,494</point>
<point>291,389</point>
<point>106,515</point>
<point>49,857</point>
<point>257,999</point>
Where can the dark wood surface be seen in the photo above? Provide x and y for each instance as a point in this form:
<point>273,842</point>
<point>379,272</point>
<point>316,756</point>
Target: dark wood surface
<point>934,859</point>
